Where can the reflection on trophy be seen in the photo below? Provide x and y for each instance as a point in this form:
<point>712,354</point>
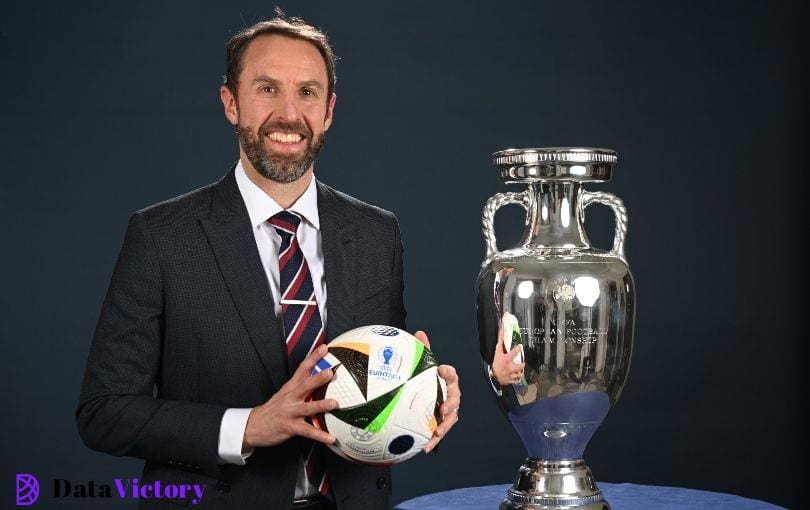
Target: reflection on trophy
<point>555,321</point>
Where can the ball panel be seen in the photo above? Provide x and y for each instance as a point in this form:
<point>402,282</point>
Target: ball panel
<point>356,363</point>
<point>353,335</point>
<point>360,347</point>
<point>343,388</point>
<point>425,359</point>
<point>355,443</point>
<point>401,444</point>
<point>418,406</point>
<point>397,443</point>
<point>381,418</point>
<point>390,363</point>
<point>372,414</point>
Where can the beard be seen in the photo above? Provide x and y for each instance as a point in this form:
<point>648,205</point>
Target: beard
<point>280,167</point>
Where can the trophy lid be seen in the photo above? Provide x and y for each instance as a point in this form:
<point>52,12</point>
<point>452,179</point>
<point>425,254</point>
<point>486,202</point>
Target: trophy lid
<point>555,163</point>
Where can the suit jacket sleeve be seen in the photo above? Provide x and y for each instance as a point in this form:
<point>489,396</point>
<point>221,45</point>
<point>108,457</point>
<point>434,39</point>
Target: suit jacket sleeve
<point>397,304</point>
<point>118,412</point>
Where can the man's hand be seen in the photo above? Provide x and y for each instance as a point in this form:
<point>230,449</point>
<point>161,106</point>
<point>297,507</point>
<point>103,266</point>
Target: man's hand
<point>504,368</point>
<point>448,410</point>
<point>283,416</point>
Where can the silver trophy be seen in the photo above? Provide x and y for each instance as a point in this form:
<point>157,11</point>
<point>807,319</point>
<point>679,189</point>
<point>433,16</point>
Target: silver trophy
<point>555,321</point>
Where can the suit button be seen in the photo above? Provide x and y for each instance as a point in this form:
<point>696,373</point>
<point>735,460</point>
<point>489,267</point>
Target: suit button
<point>223,486</point>
<point>382,482</point>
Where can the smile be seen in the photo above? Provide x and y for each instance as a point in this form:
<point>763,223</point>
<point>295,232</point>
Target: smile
<point>290,138</point>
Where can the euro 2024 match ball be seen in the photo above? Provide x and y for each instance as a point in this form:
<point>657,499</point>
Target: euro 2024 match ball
<point>388,390</point>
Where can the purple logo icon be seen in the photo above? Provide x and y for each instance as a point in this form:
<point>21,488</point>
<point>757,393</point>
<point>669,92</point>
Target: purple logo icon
<point>27,489</point>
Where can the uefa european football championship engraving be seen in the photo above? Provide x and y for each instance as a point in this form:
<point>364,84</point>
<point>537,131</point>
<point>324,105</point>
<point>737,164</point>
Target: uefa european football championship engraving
<point>561,310</point>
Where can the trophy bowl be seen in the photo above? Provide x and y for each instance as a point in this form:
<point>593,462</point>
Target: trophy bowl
<point>555,321</point>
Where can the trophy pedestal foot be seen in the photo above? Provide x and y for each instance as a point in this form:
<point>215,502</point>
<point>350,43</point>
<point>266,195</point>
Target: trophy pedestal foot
<point>554,485</point>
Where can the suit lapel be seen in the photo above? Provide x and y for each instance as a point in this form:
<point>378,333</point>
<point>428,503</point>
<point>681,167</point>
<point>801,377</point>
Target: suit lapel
<point>229,233</point>
<point>339,241</point>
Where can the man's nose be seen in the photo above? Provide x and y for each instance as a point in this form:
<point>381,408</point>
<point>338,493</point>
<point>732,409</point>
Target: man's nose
<point>289,108</point>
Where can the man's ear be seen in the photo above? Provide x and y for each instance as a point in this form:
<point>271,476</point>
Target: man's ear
<point>330,110</point>
<point>229,103</point>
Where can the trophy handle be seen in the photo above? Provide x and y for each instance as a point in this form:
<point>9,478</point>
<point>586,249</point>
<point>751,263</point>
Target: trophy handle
<point>494,203</point>
<point>609,199</point>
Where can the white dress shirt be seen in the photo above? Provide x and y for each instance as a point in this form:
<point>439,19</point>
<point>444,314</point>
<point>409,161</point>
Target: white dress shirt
<point>261,207</point>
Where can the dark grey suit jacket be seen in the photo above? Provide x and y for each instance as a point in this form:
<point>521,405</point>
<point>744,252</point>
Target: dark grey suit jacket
<point>188,329</point>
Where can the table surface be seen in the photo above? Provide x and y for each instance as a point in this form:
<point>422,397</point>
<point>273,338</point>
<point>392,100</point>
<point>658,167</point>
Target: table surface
<point>621,496</point>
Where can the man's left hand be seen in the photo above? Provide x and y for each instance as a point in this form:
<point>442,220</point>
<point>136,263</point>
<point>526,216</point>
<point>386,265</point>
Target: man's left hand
<point>448,410</point>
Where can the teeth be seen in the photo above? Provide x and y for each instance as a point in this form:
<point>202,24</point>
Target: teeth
<point>285,137</point>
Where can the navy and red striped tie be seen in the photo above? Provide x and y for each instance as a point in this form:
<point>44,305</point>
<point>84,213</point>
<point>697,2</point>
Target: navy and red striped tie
<point>303,327</point>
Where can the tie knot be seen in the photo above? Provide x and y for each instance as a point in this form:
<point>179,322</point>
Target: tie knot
<point>286,220</point>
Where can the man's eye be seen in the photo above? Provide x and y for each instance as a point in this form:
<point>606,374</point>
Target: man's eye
<point>307,92</point>
<point>268,89</point>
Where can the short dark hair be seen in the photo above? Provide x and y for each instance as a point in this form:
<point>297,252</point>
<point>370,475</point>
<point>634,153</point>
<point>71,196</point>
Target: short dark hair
<point>295,28</point>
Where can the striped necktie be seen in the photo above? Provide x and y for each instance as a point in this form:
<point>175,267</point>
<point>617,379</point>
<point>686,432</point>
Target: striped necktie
<point>303,328</point>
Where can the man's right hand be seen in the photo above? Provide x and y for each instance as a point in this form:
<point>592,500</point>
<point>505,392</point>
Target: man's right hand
<point>283,416</point>
<point>504,367</point>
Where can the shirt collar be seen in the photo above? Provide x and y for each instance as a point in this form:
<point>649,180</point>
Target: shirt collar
<point>261,206</point>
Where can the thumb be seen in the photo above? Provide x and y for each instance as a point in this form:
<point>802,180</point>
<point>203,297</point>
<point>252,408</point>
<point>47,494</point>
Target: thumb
<point>422,337</point>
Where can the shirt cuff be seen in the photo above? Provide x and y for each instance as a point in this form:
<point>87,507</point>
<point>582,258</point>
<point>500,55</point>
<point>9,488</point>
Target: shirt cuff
<point>231,435</point>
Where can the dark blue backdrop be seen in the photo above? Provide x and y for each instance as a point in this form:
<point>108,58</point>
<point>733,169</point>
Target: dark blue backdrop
<point>107,107</point>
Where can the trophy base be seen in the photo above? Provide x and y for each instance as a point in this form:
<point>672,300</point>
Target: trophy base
<point>554,485</point>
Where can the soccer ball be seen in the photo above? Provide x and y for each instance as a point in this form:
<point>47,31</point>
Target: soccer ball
<point>388,391</point>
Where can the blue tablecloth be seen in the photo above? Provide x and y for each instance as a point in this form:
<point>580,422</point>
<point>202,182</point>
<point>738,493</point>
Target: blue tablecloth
<point>621,496</point>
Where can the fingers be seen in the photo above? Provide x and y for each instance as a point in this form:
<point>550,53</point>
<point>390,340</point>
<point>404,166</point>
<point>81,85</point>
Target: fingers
<point>453,400</point>
<point>450,406</point>
<point>318,406</point>
<point>441,431</point>
<point>514,373</point>
<point>446,424</point>
<point>310,431</point>
<point>506,369</point>
<point>422,337</point>
<point>449,409</point>
<point>311,383</point>
<point>431,444</point>
<point>306,366</point>
<point>448,373</point>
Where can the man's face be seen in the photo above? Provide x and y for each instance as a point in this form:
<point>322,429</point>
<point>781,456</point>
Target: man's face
<point>282,110</point>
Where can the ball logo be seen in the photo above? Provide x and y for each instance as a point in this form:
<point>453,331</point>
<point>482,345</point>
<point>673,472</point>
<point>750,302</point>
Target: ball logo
<point>388,357</point>
<point>27,489</point>
<point>385,331</point>
<point>388,364</point>
<point>388,353</point>
<point>361,435</point>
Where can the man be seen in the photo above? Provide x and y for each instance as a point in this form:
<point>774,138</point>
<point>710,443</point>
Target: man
<point>221,301</point>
